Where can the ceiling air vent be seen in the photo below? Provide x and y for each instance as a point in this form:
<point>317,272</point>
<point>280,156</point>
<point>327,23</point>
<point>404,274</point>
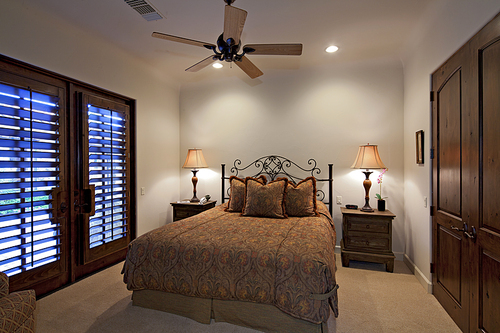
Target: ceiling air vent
<point>145,9</point>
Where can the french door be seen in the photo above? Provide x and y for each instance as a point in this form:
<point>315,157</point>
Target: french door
<point>33,232</point>
<point>105,177</point>
<point>66,178</point>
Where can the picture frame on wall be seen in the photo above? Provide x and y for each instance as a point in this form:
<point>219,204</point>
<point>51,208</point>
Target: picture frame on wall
<point>419,138</point>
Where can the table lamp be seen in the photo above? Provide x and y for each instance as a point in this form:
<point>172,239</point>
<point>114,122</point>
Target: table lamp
<point>194,161</point>
<point>368,158</point>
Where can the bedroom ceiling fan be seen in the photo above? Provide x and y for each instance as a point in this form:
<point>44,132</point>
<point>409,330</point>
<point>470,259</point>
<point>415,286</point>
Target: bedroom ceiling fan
<point>229,44</point>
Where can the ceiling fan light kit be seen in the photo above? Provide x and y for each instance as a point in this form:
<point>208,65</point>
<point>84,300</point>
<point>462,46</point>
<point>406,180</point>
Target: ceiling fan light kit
<point>332,49</point>
<point>229,44</point>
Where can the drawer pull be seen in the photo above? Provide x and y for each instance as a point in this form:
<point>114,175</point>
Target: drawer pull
<point>367,243</point>
<point>367,226</point>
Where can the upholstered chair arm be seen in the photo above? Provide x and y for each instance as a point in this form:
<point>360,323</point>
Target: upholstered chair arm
<point>4,284</point>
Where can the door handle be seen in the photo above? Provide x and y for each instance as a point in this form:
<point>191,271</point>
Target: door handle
<point>465,230</point>
<point>58,205</point>
<point>458,229</point>
<point>87,197</point>
<point>472,234</point>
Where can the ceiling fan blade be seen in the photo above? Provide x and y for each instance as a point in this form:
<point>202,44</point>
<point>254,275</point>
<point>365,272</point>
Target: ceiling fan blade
<point>248,67</point>
<point>202,64</point>
<point>275,49</point>
<point>234,20</point>
<point>182,40</point>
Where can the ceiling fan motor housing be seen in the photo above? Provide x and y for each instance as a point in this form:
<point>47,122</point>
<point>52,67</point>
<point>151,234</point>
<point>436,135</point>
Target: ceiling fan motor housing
<point>227,49</point>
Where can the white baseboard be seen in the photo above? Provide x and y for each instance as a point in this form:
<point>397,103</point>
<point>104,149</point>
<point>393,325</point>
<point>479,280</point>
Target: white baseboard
<point>418,274</point>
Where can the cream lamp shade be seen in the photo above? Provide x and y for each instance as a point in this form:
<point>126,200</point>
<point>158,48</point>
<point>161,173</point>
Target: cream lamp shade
<point>368,158</point>
<point>194,161</point>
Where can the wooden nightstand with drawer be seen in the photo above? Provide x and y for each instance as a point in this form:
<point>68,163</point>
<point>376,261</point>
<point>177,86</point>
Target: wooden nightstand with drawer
<point>186,209</point>
<point>367,237</point>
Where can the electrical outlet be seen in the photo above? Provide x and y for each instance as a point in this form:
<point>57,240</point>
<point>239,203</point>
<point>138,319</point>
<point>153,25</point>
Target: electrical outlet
<point>339,200</point>
<point>425,202</point>
<point>143,190</point>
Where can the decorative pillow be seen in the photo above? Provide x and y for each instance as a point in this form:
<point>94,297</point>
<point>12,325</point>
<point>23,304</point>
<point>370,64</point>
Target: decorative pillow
<point>301,198</point>
<point>237,192</point>
<point>265,200</point>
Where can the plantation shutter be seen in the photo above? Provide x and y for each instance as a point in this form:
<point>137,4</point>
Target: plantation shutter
<point>108,175</point>
<point>31,231</point>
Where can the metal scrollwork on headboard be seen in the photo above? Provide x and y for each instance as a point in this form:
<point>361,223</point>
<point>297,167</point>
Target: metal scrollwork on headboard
<point>274,166</point>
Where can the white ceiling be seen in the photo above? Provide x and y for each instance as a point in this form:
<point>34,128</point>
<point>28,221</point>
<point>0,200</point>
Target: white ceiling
<point>363,29</point>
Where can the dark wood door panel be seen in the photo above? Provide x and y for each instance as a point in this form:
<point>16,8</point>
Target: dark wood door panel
<point>490,296</point>
<point>490,84</point>
<point>449,144</point>
<point>450,261</point>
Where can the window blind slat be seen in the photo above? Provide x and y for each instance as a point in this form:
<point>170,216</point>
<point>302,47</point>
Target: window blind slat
<point>27,144</point>
<point>42,112</point>
<point>10,185</point>
<point>14,133</point>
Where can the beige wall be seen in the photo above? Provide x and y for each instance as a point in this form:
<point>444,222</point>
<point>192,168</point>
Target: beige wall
<point>445,28</point>
<point>324,114</point>
<point>48,42</point>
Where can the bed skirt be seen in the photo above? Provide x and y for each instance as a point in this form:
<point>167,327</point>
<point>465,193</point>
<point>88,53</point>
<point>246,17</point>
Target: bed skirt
<point>262,317</point>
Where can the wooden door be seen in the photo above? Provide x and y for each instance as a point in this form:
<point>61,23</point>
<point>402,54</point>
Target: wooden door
<point>450,211</point>
<point>466,180</point>
<point>103,210</point>
<point>106,175</point>
<point>34,201</point>
<point>485,152</point>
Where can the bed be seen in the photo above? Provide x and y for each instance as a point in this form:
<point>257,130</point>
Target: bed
<point>265,260</point>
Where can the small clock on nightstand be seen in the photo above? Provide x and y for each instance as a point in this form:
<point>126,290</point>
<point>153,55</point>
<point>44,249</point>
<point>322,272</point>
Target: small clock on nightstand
<point>186,209</point>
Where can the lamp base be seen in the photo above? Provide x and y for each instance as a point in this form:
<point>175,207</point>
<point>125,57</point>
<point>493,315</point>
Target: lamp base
<point>367,183</point>
<point>194,180</point>
<point>366,207</point>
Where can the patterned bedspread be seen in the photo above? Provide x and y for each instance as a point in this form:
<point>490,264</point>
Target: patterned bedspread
<point>288,263</point>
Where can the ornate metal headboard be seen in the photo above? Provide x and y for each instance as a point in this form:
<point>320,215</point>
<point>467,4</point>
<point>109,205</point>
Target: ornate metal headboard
<point>274,166</point>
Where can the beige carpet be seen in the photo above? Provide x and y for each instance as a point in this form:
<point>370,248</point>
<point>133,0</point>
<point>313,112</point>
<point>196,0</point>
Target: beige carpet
<point>370,300</point>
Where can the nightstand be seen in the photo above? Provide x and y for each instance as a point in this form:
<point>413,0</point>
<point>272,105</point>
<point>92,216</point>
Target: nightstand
<point>187,209</point>
<point>367,237</point>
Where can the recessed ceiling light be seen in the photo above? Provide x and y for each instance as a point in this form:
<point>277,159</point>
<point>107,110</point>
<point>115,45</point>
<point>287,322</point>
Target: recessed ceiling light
<point>331,49</point>
<point>217,65</point>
